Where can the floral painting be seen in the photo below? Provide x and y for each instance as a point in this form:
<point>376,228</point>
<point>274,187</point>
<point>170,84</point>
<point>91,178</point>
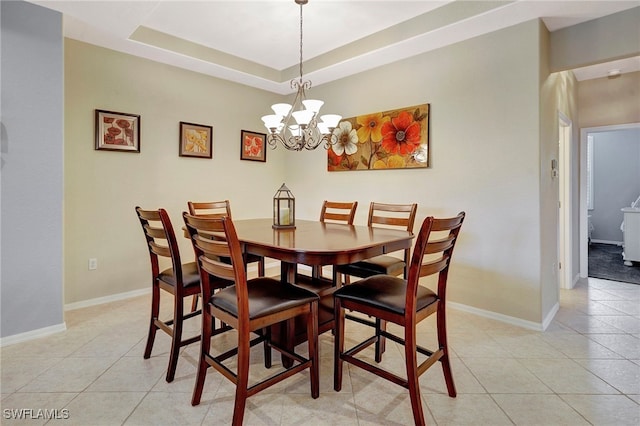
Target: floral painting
<point>252,146</point>
<point>117,131</point>
<point>397,139</point>
<point>195,140</point>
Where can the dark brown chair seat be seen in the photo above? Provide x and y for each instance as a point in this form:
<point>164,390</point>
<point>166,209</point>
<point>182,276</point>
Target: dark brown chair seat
<point>190,275</point>
<point>405,303</point>
<point>386,293</point>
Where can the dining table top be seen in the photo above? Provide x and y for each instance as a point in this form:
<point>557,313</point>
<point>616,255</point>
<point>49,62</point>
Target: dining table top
<point>319,243</point>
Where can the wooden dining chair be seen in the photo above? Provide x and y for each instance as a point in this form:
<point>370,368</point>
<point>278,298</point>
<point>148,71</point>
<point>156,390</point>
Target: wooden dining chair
<point>401,216</point>
<point>406,303</point>
<point>335,212</point>
<point>181,281</point>
<point>249,307</point>
<point>338,212</point>
<point>217,209</point>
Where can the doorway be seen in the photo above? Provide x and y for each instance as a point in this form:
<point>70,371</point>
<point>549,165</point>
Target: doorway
<point>585,187</point>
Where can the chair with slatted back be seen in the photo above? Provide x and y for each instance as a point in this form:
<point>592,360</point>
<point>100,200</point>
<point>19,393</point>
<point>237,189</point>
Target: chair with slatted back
<point>400,216</point>
<point>335,212</point>
<point>180,280</point>
<point>249,306</point>
<point>405,303</point>
<point>338,212</point>
<point>222,208</point>
<point>384,215</point>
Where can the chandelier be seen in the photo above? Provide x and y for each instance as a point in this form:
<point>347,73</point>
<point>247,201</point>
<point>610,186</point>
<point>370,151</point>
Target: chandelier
<point>307,130</point>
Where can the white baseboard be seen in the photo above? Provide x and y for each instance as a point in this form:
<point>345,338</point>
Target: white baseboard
<point>33,334</point>
<point>552,313</point>
<point>106,299</point>
<point>530,325</point>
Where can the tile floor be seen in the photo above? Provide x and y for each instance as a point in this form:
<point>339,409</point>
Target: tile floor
<point>585,369</point>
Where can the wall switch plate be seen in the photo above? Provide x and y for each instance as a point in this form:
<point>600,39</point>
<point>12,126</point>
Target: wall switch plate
<point>93,264</point>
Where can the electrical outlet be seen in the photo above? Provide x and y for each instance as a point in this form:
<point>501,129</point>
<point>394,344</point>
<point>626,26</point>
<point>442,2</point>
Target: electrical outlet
<point>93,264</point>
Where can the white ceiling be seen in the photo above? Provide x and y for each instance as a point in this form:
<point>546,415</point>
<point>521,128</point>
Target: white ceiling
<point>257,42</point>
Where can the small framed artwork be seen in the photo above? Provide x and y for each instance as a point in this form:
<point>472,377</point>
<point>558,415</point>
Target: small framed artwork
<point>196,140</point>
<point>117,131</point>
<point>253,146</point>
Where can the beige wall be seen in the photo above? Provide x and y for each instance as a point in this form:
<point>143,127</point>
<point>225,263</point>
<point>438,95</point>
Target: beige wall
<point>102,188</point>
<point>609,101</point>
<point>485,159</point>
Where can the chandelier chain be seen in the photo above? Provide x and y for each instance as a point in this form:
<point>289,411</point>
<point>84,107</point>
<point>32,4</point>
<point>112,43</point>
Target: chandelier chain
<point>301,42</point>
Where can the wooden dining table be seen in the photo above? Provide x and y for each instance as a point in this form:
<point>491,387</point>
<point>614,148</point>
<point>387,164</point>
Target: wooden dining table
<point>316,243</point>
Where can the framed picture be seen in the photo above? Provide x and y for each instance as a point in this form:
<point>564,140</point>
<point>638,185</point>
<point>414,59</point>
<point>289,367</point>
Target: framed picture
<point>117,131</point>
<point>196,140</point>
<point>253,146</point>
<point>395,139</point>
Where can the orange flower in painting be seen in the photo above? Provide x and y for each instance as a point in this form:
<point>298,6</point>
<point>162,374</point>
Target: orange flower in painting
<point>401,135</point>
<point>253,146</point>
<point>371,127</point>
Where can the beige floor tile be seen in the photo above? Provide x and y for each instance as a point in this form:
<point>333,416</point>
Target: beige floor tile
<point>466,410</point>
<point>504,376</point>
<point>101,408</point>
<point>621,374</point>
<point>432,381</point>
<point>34,408</point>
<point>131,374</point>
<point>17,371</point>
<point>167,409</point>
<point>575,345</point>
<point>565,376</point>
<point>538,410</point>
<point>261,409</point>
<point>70,375</point>
<point>626,323</point>
<point>625,345</point>
<point>334,408</point>
<point>528,346</point>
<point>378,401</point>
<point>613,410</point>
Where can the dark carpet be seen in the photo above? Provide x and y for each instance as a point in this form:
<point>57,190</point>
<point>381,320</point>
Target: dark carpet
<point>605,261</point>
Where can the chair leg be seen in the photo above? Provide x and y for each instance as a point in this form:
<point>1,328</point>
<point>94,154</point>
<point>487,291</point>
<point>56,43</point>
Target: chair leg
<point>412,374</point>
<point>155,311</point>
<point>312,338</point>
<point>242,378</point>
<point>442,342</point>
<point>194,303</point>
<point>267,348</point>
<point>381,325</point>
<point>205,347</point>
<point>338,345</point>
<point>261,267</point>
<point>176,338</point>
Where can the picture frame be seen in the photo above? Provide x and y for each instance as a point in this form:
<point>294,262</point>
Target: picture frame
<point>117,131</point>
<point>196,140</point>
<point>253,146</point>
<point>393,139</point>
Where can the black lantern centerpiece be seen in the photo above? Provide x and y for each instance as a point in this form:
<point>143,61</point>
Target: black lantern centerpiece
<point>284,209</point>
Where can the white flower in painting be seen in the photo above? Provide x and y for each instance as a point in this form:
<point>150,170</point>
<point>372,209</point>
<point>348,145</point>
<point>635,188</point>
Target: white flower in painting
<point>346,139</point>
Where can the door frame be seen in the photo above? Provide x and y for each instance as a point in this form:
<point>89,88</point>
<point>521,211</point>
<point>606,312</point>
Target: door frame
<point>565,234</point>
